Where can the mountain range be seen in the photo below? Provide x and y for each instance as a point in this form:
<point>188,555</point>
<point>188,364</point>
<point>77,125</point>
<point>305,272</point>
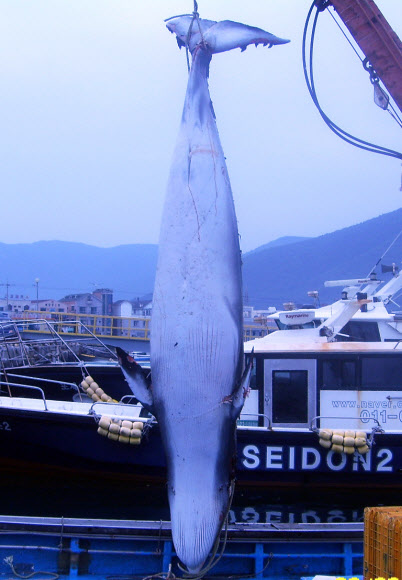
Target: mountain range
<point>280,271</point>
<point>286,273</point>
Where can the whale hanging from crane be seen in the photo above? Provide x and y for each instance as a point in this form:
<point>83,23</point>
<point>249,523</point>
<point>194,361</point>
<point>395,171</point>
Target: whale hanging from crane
<point>197,362</point>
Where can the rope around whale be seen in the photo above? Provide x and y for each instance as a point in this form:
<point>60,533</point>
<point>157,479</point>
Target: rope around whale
<point>195,16</point>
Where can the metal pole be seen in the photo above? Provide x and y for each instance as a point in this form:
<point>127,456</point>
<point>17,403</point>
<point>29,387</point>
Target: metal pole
<point>37,297</point>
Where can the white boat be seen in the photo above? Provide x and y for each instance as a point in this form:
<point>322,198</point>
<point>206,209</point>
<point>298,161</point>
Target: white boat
<point>372,322</point>
<point>318,397</point>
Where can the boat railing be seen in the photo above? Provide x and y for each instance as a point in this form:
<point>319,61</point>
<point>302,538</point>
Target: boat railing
<point>127,398</point>
<point>18,350</point>
<point>40,379</point>
<point>52,327</point>
<point>135,328</point>
<point>150,420</point>
<point>116,409</point>
<point>81,329</point>
<point>100,325</point>
<point>121,411</point>
<point>7,383</point>
<point>313,423</point>
<point>110,405</point>
<point>30,387</point>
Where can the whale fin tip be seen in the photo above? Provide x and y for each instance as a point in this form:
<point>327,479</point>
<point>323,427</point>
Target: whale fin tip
<point>137,378</point>
<point>243,388</point>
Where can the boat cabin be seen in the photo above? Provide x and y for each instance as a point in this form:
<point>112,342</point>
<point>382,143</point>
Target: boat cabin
<point>329,384</point>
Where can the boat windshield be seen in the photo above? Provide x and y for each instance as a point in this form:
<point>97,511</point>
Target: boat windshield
<point>282,326</point>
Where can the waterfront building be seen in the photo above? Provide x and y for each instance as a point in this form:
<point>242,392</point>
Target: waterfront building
<point>15,303</point>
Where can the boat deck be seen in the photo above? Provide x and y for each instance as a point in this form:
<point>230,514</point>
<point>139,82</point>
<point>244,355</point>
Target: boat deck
<point>121,411</point>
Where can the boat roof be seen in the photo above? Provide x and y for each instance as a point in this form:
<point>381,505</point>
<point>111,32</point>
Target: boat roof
<point>375,312</point>
<point>294,346</point>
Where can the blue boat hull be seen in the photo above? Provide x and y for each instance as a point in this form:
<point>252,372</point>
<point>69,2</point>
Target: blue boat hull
<point>94,549</point>
<point>48,441</point>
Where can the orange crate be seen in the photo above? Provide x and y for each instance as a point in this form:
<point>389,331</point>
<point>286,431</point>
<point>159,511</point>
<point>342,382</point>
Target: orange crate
<point>383,543</point>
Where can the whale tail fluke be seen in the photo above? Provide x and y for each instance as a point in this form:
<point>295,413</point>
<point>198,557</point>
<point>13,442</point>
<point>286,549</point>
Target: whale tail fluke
<point>218,36</point>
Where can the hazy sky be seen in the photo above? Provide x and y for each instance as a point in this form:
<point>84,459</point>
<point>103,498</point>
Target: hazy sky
<point>90,104</point>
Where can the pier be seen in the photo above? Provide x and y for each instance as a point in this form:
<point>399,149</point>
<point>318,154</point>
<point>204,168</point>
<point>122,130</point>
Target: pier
<point>95,548</point>
<point>129,333</point>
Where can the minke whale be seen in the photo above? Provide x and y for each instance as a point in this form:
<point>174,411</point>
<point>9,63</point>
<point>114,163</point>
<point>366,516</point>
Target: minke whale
<point>198,378</point>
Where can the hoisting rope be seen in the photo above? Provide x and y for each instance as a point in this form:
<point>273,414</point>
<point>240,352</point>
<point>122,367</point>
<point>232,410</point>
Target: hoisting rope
<point>195,17</point>
<point>308,74</point>
<point>162,575</point>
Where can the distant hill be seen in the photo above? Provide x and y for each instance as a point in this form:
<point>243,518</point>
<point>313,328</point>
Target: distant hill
<point>281,271</point>
<point>283,241</point>
<point>286,273</point>
<point>67,267</point>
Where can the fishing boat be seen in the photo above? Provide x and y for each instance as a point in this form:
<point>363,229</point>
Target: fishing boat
<point>372,323</point>
<point>58,364</point>
<point>319,413</point>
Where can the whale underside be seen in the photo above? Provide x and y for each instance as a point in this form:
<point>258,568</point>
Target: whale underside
<point>198,377</point>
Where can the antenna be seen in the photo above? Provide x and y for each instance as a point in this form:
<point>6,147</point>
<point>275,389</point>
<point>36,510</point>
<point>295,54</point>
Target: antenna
<point>386,251</point>
<point>352,282</point>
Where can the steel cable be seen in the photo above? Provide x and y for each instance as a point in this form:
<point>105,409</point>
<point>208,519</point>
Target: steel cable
<point>309,77</point>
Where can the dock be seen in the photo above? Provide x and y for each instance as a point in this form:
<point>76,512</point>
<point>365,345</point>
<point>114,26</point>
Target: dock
<point>90,549</point>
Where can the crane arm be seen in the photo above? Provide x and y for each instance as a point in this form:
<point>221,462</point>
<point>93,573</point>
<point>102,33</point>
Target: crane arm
<point>377,40</point>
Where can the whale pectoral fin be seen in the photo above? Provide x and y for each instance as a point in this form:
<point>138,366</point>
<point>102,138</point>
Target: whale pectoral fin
<point>137,379</point>
<point>241,391</point>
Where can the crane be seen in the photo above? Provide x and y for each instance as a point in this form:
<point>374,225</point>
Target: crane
<point>376,39</point>
<point>382,50</point>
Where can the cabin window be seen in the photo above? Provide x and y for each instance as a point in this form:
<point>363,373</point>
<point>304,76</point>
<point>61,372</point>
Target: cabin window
<point>289,396</point>
<point>382,372</point>
<point>338,374</point>
<point>359,331</point>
